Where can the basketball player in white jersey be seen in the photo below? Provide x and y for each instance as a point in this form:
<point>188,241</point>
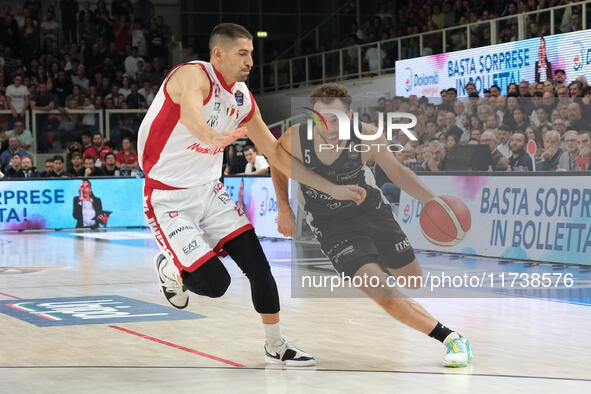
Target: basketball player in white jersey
<point>196,113</point>
<point>365,239</point>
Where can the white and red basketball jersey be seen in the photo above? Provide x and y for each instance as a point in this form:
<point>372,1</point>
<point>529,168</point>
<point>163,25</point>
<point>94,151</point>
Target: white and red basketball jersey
<point>170,156</point>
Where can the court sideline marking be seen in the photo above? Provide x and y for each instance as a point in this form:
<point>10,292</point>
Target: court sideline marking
<point>303,369</point>
<point>179,347</point>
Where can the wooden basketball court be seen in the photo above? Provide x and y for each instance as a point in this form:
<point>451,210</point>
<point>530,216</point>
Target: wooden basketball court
<point>520,344</point>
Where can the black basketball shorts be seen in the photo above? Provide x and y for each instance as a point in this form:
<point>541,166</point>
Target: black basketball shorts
<point>373,237</point>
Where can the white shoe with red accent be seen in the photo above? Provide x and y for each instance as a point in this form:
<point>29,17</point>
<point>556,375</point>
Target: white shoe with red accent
<point>171,284</point>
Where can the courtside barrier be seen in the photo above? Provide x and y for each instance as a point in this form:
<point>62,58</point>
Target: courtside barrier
<point>526,216</point>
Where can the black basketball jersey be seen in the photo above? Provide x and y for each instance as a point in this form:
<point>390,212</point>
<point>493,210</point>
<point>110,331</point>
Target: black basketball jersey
<point>347,169</point>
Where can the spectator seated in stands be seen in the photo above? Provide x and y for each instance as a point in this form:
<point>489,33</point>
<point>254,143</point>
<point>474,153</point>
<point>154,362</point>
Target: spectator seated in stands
<point>489,138</point>
<point>552,152</point>
<point>568,160</point>
<point>255,164</point>
<point>13,148</point>
<point>28,169</point>
<point>437,156</point>
<point>98,150</point>
<point>110,166</point>
<point>520,160</point>
<point>58,168</point>
<point>126,157</point>
<point>77,169</point>
<point>17,97</point>
<point>24,137</point>
<point>584,145</point>
<point>90,169</point>
<point>48,168</point>
<point>15,170</point>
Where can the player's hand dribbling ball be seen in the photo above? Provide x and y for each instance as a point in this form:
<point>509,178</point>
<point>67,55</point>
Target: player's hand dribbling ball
<point>445,220</point>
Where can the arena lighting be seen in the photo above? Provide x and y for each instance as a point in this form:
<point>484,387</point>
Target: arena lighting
<point>261,34</point>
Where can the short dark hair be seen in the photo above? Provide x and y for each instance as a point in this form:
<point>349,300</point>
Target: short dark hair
<point>525,138</point>
<point>559,71</point>
<point>110,154</point>
<point>495,86</point>
<point>58,157</point>
<point>48,161</point>
<point>15,154</point>
<point>225,31</point>
<point>327,92</point>
<point>249,147</point>
<point>87,157</point>
<point>76,154</point>
<point>454,89</point>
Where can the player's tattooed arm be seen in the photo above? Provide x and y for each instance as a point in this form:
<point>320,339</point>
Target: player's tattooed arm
<point>282,160</point>
<point>402,176</point>
<point>188,86</point>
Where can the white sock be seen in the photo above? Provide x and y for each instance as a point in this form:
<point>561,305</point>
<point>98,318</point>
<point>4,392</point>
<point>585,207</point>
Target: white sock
<point>273,334</point>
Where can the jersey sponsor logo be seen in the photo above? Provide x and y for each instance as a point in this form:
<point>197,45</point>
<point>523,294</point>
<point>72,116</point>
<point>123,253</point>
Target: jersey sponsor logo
<point>239,210</point>
<point>402,245</point>
<point>239,96</point>
<point>219,186</point>
<point>213,120</point>
<point>191,247</point>
<point>180,230</point>
<point>225,197</point>
<point>196,147</point>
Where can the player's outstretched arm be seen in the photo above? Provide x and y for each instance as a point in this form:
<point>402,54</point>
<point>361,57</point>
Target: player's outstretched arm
<point>285,216</point>
<point>188,86</point>
<point>280,159</point>
<point>402,176</point>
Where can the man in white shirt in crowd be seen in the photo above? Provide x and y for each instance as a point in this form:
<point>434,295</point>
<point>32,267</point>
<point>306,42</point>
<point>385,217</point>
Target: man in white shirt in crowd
<point>130,62</point>
<point>256,164</point>
<point>17,96</point>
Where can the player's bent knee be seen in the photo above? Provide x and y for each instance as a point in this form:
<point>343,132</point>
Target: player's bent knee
<point>210,280</point>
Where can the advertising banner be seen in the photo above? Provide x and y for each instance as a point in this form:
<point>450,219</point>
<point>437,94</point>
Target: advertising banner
<point>256,196</point>
<point>71,203</point>
<point>541,218</point>
<point>532,60</point>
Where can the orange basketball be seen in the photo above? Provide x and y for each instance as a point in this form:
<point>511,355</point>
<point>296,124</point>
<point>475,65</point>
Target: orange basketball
<point>445,220</point>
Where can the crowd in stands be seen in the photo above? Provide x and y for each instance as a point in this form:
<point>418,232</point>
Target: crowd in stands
<point>70,57</point>
<point>554,115</point>
<point>397,19</point>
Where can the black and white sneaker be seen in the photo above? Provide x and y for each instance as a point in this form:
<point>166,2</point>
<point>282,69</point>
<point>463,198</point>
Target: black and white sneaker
<point>172,288</point>
<point>288,355</point>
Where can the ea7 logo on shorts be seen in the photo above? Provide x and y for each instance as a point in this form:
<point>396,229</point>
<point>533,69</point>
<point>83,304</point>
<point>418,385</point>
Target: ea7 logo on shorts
<point>192,246</point>
<point>173,214</point>
<point>179,230</point>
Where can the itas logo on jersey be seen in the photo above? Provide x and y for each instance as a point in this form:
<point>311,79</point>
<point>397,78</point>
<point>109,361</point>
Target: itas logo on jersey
<point>196,147</point>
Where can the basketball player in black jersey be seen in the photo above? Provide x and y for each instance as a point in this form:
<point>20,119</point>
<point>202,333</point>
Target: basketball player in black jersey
<point>365,239</point>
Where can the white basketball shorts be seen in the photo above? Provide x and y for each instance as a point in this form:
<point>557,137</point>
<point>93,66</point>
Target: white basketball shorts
<point>192,225</point>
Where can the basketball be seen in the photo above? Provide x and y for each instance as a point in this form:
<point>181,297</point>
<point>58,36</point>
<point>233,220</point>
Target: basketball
<point>445,221</point>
